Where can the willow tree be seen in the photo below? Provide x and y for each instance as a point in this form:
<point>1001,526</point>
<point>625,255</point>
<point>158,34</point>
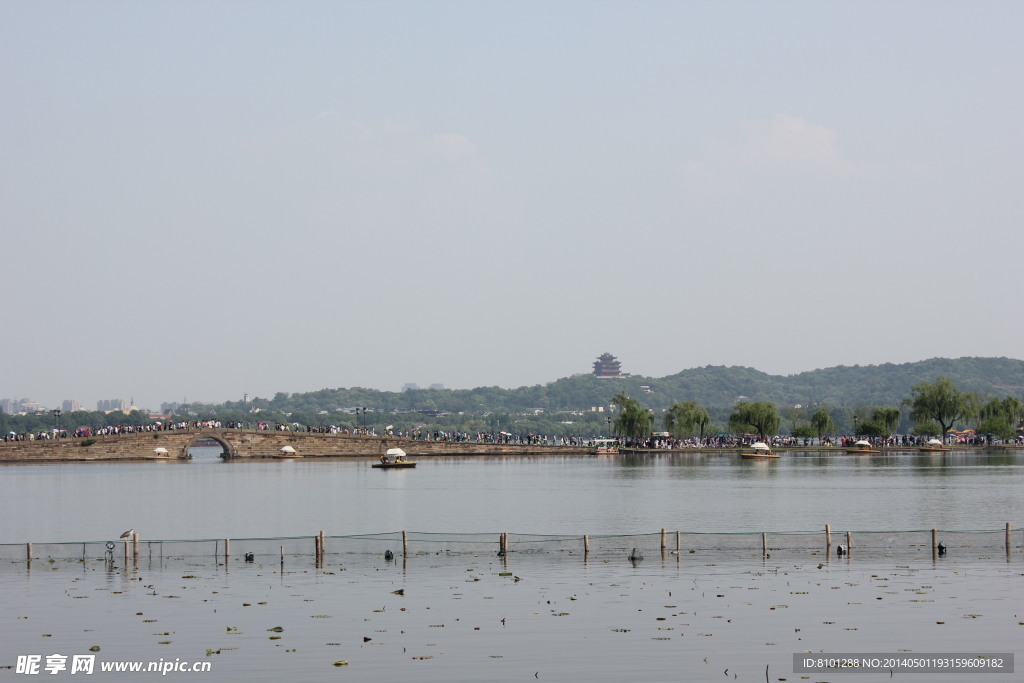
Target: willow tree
<point>941,402</point>
<point>822,423</point>
<point>633,419</point>
<point>888,418</point>
<point>759,417</point>
<point>1000,417</point>
<point>1010,409</point>
<point>684,418</point>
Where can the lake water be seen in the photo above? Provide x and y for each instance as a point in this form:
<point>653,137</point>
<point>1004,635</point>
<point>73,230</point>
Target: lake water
<point>469,615</point>
<point>208,498</point>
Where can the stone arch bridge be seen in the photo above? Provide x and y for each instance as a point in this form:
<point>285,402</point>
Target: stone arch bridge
<point>244,443</point>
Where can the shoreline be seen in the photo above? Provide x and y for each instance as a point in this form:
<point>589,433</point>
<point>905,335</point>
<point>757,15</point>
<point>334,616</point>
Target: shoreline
<point>65,452</point>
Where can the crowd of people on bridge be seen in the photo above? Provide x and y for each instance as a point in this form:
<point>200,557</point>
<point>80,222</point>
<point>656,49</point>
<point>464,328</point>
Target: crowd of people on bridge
<point>656,441</point>
<point>111,430</point>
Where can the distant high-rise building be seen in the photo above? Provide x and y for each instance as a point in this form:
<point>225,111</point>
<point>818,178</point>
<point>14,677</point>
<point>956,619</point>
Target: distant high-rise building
<point>107,405</point>
<point>71,406</point>
<point>412,386</point>
<point>13,406</point>
<point>607,365</point>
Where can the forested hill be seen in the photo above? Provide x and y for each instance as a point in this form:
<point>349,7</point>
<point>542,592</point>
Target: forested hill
<point>886,384</point>
<point>713,386</point>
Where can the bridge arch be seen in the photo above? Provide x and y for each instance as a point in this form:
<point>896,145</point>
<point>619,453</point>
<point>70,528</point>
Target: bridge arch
<point>230,450</point>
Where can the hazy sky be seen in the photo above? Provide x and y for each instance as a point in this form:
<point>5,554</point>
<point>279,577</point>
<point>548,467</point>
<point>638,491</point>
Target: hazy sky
<point>207,199</point>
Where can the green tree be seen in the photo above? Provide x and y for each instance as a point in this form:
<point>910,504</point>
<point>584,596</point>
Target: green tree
<point>633,419</point>
<point>996,426</point>
<point>873,427</point>
<point>685,418</point>
<point>822,423</point>
<point>941,402</point>
<point>759,417</point>
<point>1010,409</point>
<point>927,428</point>
<point>803,431</point>
<point>889,418</point>
<point>1000,417</point>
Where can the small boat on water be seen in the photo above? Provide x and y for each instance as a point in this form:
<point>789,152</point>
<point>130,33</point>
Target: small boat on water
<point>393,465</point>
<point>862,447</point>
<point>761,450</point>
<point>935,446</point>
<point>393,459</point>
<point>286,452</point>
<point>605,447</point>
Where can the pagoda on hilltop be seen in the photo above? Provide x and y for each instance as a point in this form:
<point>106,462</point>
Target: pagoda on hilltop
<point>607,365</point>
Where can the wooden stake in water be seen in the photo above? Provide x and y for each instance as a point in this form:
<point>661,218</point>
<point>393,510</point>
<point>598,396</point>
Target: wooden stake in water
<point>764,544</point>
<point>586,546</point>
<point>679,541</point>
<point>828,539</point>
<point>849,543</point>
<point>135,547</point>
<point>663,543</point>
<point>28,552</point>
<point>323,539</point>
<point>405,544</point>
<point>227,550</point>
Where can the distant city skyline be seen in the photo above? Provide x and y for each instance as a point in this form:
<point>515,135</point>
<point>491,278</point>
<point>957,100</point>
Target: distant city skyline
<point>204,200</point>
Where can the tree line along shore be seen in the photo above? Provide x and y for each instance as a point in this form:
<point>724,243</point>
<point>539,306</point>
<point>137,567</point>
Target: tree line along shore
<point>939,409</point>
